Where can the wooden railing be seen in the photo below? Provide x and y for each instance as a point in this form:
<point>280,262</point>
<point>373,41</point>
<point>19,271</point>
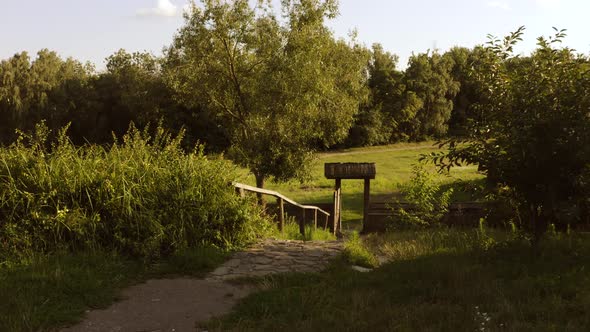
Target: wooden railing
<point>242,188</point>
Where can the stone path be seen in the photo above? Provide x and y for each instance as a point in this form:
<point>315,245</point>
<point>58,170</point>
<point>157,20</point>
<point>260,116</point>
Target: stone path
<point>175,305</point>
<point>278,256</point>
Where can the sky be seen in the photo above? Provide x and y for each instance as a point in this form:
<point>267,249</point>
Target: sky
<point>91,30</point>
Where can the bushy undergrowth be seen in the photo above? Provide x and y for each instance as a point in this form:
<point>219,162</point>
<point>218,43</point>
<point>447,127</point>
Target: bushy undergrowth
<point>142,196</point>
<point>428,201</point>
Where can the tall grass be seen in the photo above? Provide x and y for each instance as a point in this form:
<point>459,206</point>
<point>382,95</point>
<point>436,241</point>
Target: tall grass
<point>409,244</point>
<point>142,196</point>
<point>291,232</point>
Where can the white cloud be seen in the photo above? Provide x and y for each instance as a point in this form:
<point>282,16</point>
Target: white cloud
<point>500,5</point>
<point>164,8</point>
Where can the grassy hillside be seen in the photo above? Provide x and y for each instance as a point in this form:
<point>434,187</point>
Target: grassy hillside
<point>394,166</point>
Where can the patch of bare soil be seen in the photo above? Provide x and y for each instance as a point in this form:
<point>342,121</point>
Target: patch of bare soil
<point>164,305</point>
<point>178,305</point>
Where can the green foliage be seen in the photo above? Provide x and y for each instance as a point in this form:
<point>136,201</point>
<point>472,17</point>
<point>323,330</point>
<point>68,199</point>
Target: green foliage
<point>380,119</point>
<point>431,90</point>
<point>466,64</point>
<point>281,87</point>
<point>370,128</point>
<point>143,196</point>
<point>428,202</point>
<point>46,88</point>
<point>356,252</point>
<point>535,133</point>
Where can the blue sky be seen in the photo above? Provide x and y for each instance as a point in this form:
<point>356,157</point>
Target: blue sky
<point>91,30</point>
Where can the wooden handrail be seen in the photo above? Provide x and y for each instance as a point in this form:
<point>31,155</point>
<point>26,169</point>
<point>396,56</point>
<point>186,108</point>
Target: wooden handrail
<point>283,199</point>
<point>278,195</point>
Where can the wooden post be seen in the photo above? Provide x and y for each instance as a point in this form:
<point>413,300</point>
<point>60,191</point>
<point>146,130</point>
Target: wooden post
<point>366,201</point>
<point>302,224</point>
<point>326,223</point>
<point>337,205</point>
<point>281,215</point>
<point>315,219</point>
<point>336,212</point>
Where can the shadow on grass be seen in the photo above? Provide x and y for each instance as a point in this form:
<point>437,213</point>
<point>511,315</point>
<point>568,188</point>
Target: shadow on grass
<point>54,291</point>
<point>500,289</point>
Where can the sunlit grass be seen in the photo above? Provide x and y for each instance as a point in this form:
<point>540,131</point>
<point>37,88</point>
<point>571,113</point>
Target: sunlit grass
<point>394,167</point>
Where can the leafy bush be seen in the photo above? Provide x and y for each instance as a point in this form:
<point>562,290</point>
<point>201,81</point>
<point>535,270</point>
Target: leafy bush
<point>427,201</point>
<point>143,196</point>
<point>534,133</point>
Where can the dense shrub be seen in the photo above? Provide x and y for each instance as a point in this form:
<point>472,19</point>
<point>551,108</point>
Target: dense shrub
<point>428,201</point>
<point>143,196</point>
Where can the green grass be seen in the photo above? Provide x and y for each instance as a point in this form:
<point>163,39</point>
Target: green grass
<point>394,167</point>
<point>357,253</point>
<point>46,293</point>
<point>446,280</point>
<point>291,232</point>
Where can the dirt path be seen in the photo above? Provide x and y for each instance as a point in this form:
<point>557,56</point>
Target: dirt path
<point>164,305</point>
<point>167,305</point>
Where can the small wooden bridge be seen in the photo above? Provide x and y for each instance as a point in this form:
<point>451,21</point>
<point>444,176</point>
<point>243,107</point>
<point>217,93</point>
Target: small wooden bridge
<point>281,199</point>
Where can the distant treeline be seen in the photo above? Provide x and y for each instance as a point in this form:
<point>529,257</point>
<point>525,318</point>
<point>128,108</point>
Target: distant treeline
<point>435,97</point>
<point>432,98</point>
<point>97,104</point>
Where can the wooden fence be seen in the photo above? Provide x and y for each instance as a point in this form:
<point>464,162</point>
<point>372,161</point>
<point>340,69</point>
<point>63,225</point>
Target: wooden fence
<point>242,188</point>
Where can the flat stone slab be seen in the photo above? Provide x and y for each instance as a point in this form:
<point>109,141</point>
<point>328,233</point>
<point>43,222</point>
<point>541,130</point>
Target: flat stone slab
<point>278,256</point>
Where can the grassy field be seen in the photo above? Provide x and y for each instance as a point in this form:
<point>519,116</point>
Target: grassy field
<point>437,280</point>
<point>394,167</point>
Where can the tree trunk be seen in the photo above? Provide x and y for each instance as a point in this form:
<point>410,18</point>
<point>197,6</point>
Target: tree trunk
<point>260,184</point>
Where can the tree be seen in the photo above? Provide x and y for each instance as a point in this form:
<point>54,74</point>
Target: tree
<point>379,120</point>
<point>281,87</point>
<point>131,89</point>
<point>47,88</point>
<point>534,139</point>
<point>430,92</point>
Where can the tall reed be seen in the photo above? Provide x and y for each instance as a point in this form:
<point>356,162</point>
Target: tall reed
<point>142,196</point>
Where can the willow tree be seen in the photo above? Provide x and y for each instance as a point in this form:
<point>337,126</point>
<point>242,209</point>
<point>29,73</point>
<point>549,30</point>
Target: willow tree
<point>283,86</point>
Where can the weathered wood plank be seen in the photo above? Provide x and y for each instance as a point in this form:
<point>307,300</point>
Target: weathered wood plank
<point>281,215</point>
<point>350,170</point>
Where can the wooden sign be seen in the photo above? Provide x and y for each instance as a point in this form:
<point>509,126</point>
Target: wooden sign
<point>349,170</point>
